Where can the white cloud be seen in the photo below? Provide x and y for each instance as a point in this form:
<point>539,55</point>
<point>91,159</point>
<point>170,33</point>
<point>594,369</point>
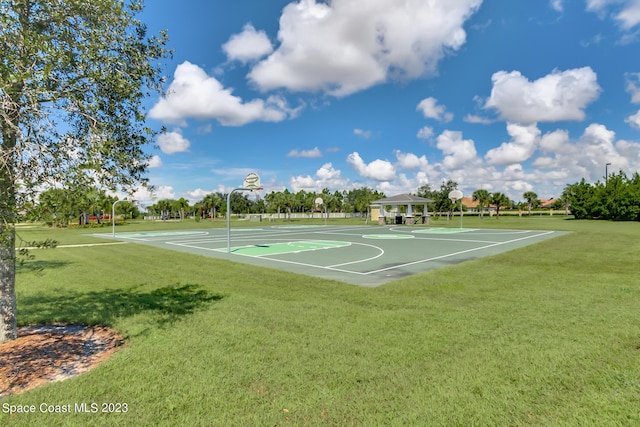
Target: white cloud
<point>146,197</point>
<point>325,177</point>
<point>524,141</point>
<point>155,162</point>
<point>561,95</point>
<point>633,86</point>
<point>194,94</point>
<point>197,194</point>
<point>553,141</point>
<point>425,133</point>
<point>587,156</point>
<point>346,46</point>
<point>626,12</point>
<point>431,110</point>
<point>173,142</point>
<point>629,16</point>
<point>410,161</point>
<point>249,45</point>
<point>459,152</point>
<point>631,151</point>
<point>379,170</point>
<point>634,120</point>
<point>305,153</point>
<point>557,5</point>
<point>472,118</point>
<point>366,134</point>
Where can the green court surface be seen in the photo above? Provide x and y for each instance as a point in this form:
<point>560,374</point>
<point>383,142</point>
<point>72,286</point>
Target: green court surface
<point>362,255</point>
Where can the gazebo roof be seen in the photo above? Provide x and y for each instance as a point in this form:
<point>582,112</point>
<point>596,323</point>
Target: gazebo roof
<point>402,199</point>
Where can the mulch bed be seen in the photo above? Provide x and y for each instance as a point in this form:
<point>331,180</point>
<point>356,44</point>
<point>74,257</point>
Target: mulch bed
<point>47,353</point>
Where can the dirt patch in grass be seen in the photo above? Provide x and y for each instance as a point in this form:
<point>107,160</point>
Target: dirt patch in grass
<point>47,353</point>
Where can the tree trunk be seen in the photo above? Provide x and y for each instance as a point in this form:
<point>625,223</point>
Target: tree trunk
<point>8,325</point>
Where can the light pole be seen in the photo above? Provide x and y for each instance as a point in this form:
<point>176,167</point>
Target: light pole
<point>606,173</point>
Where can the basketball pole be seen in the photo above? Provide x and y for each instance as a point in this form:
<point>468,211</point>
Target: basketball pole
<point>229,212</point>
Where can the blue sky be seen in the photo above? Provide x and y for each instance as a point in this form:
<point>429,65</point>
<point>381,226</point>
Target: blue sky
<point>505,95</point>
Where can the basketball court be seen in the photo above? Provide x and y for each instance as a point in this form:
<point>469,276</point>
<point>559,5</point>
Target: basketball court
<point>362,255</point>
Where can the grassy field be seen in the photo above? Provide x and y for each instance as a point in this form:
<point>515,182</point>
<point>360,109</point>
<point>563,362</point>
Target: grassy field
<point>544,335</point>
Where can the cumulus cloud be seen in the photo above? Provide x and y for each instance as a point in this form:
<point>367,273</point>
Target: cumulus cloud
<point>586,156</point>
<point>554,141</point>
<point>154,162</point>
<point>146,197</point>
<point>379,170</point>
<point>459,152</point>
<point>194,94</point>
<point>197,194</point>
<point>345,46</point>
<point>173,142</point>
<point>561,95</point>
<point>410,161</point>
<point>325,177</point>
<point>431,110</point>
<point>524,141</point>
<point>249,45</point>
<point>315,152</point>
<point>425,133</point>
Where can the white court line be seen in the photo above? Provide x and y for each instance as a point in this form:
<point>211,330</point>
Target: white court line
<point>453,254</point>
<point>83,245</point>
<point>338,231</point>
<point>333,268</point>
<point>304,264</point>
<point>280,232</point>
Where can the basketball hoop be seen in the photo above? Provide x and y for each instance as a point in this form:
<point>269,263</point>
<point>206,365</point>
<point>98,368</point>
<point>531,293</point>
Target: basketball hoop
<point>252,182</point>
<point>456,195</point>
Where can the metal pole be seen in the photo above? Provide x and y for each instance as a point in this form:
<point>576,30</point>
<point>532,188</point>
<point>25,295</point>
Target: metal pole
<point>460,213</point>
<point>606,174</point>
<point>229,216</point>
<point>113,217</point>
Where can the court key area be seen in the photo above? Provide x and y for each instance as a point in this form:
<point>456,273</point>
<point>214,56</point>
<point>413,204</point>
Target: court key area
<point>361,255</point>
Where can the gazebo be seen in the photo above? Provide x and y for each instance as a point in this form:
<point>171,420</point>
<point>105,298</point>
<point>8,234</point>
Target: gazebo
<point>377,208</point>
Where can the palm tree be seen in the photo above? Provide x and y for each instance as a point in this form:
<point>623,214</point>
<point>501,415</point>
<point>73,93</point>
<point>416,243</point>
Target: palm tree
<point>530,197</point>
<point>181,205</point>
<point>482,197</point>
<point>275,201</point>
<point>499,200</point>
<point>212,202</point>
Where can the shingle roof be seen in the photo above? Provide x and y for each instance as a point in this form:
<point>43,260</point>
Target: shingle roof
<point>402,199</point>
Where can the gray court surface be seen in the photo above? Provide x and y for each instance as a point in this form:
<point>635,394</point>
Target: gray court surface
<point>362,255</point>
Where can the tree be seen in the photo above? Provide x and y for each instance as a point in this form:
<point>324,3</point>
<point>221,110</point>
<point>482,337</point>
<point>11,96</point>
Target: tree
<point>180,206</point>
<point>482,197</point>
<point>89,65</point>
<point>443,202</point>
<point>579,197</point>
<point>499,200</point>
<point>531,198</point>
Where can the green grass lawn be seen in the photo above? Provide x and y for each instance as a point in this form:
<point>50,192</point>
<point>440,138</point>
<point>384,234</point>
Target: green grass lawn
<point>544,335</point>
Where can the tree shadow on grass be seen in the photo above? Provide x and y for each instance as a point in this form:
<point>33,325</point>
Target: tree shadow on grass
<point>38,265</point>
<point>163,305</point>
